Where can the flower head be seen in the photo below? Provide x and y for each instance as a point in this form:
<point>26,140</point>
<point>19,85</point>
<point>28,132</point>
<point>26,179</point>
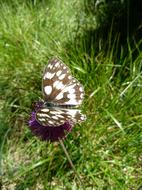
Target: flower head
<point>47,132</point>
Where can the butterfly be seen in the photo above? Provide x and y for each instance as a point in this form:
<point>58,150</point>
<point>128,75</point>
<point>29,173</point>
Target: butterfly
<point>62,95</point>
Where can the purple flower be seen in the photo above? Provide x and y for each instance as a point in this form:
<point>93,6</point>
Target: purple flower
<point>47,133</point>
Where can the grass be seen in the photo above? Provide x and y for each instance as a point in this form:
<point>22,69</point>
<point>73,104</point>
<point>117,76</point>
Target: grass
<point>105,149</point>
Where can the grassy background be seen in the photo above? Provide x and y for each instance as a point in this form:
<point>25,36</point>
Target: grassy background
<point>106,148</point>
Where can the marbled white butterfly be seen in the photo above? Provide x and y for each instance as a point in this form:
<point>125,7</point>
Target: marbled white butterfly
<point>62,94</point>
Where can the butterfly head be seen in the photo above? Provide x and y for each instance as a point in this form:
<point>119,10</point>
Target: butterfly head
<point>37,105</point>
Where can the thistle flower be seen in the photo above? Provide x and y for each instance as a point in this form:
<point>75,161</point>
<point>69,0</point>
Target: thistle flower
<point>47,133</point>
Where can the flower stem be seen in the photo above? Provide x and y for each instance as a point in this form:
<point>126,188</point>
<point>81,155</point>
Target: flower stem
<point>70,161</point>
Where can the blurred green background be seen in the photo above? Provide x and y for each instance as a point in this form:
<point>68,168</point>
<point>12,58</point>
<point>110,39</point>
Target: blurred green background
<point>101,43</point>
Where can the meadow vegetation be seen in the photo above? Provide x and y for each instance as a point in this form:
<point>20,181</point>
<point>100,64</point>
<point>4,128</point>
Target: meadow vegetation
<point>106,148</point>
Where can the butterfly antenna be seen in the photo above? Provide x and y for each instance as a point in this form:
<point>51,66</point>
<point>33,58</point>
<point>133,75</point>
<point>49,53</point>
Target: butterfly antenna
<point>70,161</point>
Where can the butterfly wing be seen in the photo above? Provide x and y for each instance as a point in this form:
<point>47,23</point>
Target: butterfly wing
<point>59,87</point>
<point>61,90</point>
<point>54,116</point>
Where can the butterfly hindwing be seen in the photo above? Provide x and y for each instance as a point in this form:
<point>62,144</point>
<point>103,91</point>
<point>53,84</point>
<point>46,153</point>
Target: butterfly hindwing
<point>54,116</point>
<point>59,87</point>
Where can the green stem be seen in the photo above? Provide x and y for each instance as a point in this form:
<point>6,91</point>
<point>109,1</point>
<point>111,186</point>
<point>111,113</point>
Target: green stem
<point>70,161</point>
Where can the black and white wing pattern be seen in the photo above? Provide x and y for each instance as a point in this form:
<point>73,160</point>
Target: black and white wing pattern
<point>56,116</point>
<point>59,87</point>
<point>62,92</point>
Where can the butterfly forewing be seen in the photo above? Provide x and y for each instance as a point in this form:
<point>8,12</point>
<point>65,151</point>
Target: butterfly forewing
<point>58,116</point>
<point>72,94</point>
<point>56,77</point>
<point>59,87</point>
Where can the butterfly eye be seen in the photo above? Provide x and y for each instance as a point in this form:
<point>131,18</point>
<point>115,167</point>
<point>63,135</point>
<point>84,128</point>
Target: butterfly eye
<point>37,105</point>
<point>33,105</point>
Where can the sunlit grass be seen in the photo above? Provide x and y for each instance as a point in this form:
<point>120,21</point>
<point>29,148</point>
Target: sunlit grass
<point>106,148</point>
